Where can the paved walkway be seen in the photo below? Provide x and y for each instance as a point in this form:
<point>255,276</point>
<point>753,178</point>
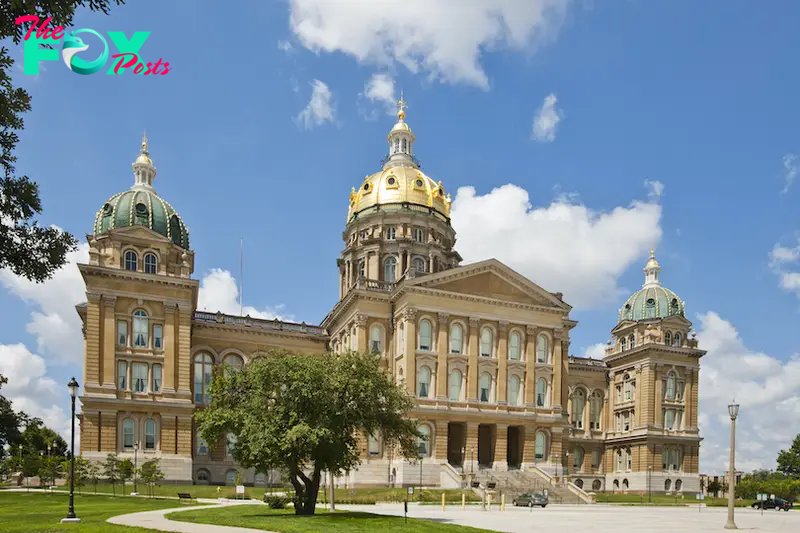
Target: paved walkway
<point>158,520</point>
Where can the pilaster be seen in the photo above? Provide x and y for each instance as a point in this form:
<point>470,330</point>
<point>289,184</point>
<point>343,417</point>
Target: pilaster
<point>361,332</point>
<point>409,317</point>
<point>184,435</point>
<point>472,378</point>
<point>93,338</point>
<point>440,442</point>
<point>502,359</point>
<point>659,395</point>
<point>687,399</point>
<point>530,358</point>
<point>501,446</point>
<point>441,363</point>
<point>529,445</point>
<point>471,447</point>
<point>183,352</point>
<point>694,397</point>
<point>558,375</point>
<point>170,343</point>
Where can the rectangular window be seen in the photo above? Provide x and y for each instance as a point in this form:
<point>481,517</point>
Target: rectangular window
<point>374,446</point>
<point>158,331</point>
<point>669,418</point>
<point>202,446</point>
<point>122,375</point>
<point>596,455</point>
<point>122,333</point>
<point>627,391</point>
<point>630,460</point>
<point>619,394</point>
<point>156,378</point>
<point>139,377</point>
<point>626,422</point>
<point>679,391</point>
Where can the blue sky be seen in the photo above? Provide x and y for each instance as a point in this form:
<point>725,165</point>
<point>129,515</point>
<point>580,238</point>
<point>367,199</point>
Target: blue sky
<point>698,98</point>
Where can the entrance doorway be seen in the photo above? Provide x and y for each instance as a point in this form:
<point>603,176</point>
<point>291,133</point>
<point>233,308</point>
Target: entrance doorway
<point>456,441</point>
<point>486,445</point>
<point>514,451</point>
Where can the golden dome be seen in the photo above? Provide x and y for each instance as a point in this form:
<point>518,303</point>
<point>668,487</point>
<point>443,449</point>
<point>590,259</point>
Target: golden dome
<point>652,262</point>
<point>395,186</point>
<point>144,155</point>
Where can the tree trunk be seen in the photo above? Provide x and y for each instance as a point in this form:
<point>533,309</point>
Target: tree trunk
<point>306,491</point>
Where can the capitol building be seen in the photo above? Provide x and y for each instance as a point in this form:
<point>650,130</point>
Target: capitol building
<point>484,351</point>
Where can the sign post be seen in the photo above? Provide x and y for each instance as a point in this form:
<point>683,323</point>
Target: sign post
<point>239,491</point>
<point>405,504</point>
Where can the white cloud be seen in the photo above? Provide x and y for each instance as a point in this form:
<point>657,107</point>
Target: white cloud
<point>442,38</point>
<point>790,168</point>
<point>220,292</point>
<point>784,262</point>
<point>595,351</point>
<point>379,90</point>
<point>319,109</point>
<point>656,188</point>
<point>563,247</point>
<point>766,388</point>
<point>32,391</point>
<point>546,120</point>
<point>285,46</point>
<point>54,321</point>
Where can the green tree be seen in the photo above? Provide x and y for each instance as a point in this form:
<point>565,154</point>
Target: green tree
<point>302,414</point>
<point>126,471</point>
<point>92,473</point>
<point>81,467</point>
<point>789,460</point>
<point>150,473</point>
<point>51,469</point>
<point>10,421</point>
<point>40,439</point>
<point>714,487</point>
<point>111,472</point>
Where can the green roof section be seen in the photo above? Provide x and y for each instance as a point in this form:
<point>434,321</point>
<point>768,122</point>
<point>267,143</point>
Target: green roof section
<point>653,300</point>
<point>145,208</point>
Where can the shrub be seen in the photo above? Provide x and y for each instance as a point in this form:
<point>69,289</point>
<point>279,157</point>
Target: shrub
<point>276,501</point>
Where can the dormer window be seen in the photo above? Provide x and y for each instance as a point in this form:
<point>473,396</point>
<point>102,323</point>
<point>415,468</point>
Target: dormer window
<point>131,261</point>
<point>150,263</point>
<point>141,215</point>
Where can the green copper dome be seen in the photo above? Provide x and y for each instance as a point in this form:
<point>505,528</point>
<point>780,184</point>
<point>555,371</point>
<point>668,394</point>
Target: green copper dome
<point>141,205</point>
<point>652,300</point>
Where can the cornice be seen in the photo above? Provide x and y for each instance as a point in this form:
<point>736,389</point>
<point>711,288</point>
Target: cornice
<point>118,273</point>
<point>416,289</point>
<point>256,332</point>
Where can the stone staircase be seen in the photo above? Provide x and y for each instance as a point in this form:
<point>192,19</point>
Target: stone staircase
<point>512,483</point>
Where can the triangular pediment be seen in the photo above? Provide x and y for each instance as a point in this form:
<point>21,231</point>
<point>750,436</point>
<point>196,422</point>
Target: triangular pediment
<point>138,233</point>
<point>491,279</point>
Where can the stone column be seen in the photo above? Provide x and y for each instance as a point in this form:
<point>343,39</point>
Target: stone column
<point>472,378</point>
<point>184,434</point>
<point>638,419</point>
<point>529,445</point>
<point>430,262</point>
<point>409,317</point>
<point>183,352</point>
<point>361,332</point>
<point>694,397</point>
<point>557,373</point>
<point>501,447</point>
<point>169,349</point>
<point>471,448</point>
<point>440,443</point>
<point>530,360</point>
<point>108,361</point>
<point>441,363</point>
<point>687,400</point>
<point>502,360</point>
<point>554,456</point>
<point>658,420</point>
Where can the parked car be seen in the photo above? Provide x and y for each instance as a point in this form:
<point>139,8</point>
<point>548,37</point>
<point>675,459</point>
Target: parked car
<point>777,504</point>
<point>530,499</point>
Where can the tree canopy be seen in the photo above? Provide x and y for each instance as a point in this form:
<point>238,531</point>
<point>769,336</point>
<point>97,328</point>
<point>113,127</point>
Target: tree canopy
<point>303,414</point>
<point>789,460</point>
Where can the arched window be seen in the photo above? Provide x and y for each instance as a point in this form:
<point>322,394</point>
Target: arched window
<point>539,448</point>
<point>131,260</point>
<point>175,230</point>
<point>677,339</point>
<point>628,459</point>
<point>231,476</point>
<point>150,263</point>
<point>670,394</point>
<point>419,265</point>
<point>625,484</point>
<point>542,349</point>
<point>424,380</point>
<point>456,338</point>
<point>595,410</point>
<point>678,485</point>
<point>127,434</point>
<point>541,392</point>
<point>423,442</point>
<point>619,464</point>
<point>391,233</point>
<point>396,145</point>
<point>390,269</point>
<point>140,329</point>
<point>149,434</point>
<point>203,477</point>
<point>632,341</point>
<point>376,339</point>
<point>514,346</point>
<point>596,485</point>
<point>579,483</point>
<point>616,484</point>
<point>232,363</point>
<point>513,390</point>
<point>374,445</point>
<point>405,144</point>
<point>622,344</point>
<point>487,342</point>
<point>425,334</point>
<point>203,366</point>
<point>578,403</point>
<point>455,385</point>
<point>667,338</point>
<point>667,485</point>
<point>485,387</point>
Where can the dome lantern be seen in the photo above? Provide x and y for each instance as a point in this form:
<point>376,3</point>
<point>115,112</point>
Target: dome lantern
<point>651,270</point>
<point>653,300</point>
<point>401,140</point>
<point>144,173</point>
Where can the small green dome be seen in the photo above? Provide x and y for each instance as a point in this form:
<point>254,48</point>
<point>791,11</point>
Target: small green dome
<point>653,300</point>
<point>142,207</point>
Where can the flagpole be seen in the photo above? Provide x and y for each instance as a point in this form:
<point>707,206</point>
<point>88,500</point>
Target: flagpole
<point>241,275</point>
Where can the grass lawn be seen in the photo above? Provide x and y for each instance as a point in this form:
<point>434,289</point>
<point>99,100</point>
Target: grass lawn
<point>664,500</point>
<point>285,521</point>
<point>198,491</point>
<point>33,512</point>
<point>382,494</point>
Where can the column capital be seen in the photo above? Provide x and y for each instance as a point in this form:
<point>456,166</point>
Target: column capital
<point>92,297</point>
<point>531,330</point>
<point>110,301</point>
<point>560,334</point>
<point>184,307</point>
<point>503,326</point>
<point>409,314</point>
<point>360,320</point>
<point>444,318</point>
<point>170,308</point>
<point>473,322</point>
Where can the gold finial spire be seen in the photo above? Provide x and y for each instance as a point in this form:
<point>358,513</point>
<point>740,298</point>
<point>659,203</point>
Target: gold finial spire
<point>144,154</point>
<point>144,142</point>
<point>401,106</point>
<point>652,253</point>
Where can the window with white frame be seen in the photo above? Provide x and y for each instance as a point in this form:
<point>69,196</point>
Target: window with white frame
<point>376,339</point>
<point>676,340</point>
<point>542,349</point>
<point>419,234</point>
<point>149,434</point>
<point>513,390</point>
<point>632,341</point>
<point>539,448</point>
<point>423,442</point>
<point>156,378</point>
<point>618,421</point>
<point>424,382</point>
<point>514,346</point>
<point>202,446</point>
<point>455,385</point>
<point>667,338</point>
<point>619,463</point>
<point>158,337</point>
<point>619,393</point>
<point>232,363</point>
<point>541,392</point>
<point>390,269</point>
<point>628,460</point>
<point>140,327</point>
<point>127,434</point>
<point>122,333</point>
<point>122,375</point>
<point>425,335</point>
<point>578,404</point>
<point>669,419</point>
<point>626,421</point>
<point>139,377</point>
<point>419,265</point>
<point>670,389</point>
<point>622,344</point>
<point>577,458</point>
<point>203,366</point>
<point>374,446</point>
<point>487,342</point>
<point>595,410</point>
<point>485,386</point>
<point>456,338</point>
<point>679,391</point>
<point>150,263</point>
<point>628,388</point>
<point>596,457</point>
<point>131,260</point>
<point>391,233</point>
<point>362,269</point>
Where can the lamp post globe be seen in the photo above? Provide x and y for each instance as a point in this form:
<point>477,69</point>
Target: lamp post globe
<point>73,393</point>
<point>733,411</point>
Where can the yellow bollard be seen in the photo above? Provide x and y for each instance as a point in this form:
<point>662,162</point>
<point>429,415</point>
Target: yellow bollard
<point>489,502</point>
<point>443,502</point>
<point>502,502</point>
<point>463,500</point>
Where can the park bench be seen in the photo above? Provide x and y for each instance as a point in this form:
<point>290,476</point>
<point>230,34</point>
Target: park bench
<point>185,496</point>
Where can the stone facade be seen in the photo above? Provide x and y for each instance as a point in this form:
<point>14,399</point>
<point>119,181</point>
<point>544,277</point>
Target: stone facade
<point>484,350</point>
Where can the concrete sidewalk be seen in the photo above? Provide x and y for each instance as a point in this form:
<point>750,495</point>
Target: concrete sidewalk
<point>158,520</point>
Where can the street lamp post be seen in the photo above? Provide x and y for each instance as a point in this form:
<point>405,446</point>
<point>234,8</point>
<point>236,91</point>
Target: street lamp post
<point>649,477</point>
<point>135,468</point>
<point>73,392</point>
<point>566,466</point>
<point>733,411</point>
<point>463,458</point>
<point>471,459</point>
